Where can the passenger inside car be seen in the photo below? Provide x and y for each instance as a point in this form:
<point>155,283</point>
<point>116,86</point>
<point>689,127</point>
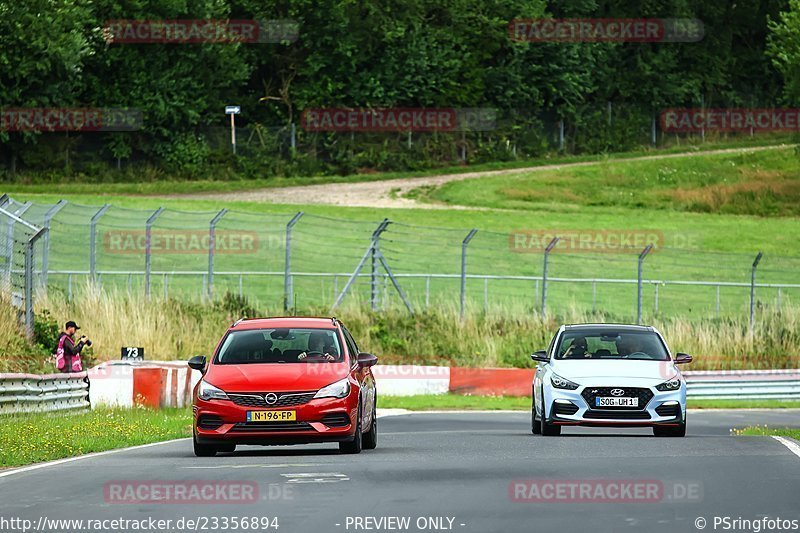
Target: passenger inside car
<point>578,349</point>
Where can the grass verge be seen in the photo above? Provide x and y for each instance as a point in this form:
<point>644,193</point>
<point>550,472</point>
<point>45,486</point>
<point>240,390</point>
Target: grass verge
<point>768,431</point>
<point>435,402</point>
<point>755,183</point>
<point>37,437</point>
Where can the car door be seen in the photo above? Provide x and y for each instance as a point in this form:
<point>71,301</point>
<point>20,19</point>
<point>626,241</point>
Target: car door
<point>366,381</point>
<point>541,372</point>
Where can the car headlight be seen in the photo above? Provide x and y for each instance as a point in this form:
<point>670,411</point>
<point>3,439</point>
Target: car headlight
<point>208,391</point>
<point>562,383</point>
<point>340,389</point>
<point>672,384</point>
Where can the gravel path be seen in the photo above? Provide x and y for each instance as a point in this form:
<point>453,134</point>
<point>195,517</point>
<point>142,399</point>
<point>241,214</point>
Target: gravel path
<point>390,193</point>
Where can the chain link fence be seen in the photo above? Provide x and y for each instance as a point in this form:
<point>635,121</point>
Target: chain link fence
<point>18,256</point>
<point>295,261</point>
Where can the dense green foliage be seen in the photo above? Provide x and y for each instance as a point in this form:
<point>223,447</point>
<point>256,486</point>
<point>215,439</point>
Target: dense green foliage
<point>415,53</point>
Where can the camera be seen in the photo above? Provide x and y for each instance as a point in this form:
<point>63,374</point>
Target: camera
<point>86,340</point>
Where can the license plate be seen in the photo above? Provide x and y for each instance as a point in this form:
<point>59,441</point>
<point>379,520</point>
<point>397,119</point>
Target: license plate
<point>616,402</point>
<point>271,416</point>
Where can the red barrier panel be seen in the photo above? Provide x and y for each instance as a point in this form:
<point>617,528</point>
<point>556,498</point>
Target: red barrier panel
<point>149,387</point>
<point>492,381</point>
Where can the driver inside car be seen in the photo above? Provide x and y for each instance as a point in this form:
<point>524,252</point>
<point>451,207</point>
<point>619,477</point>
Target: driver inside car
<point>631,344</point>
<point>316,348</point>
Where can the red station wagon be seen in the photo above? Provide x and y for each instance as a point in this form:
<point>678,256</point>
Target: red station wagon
<point>285,381</point>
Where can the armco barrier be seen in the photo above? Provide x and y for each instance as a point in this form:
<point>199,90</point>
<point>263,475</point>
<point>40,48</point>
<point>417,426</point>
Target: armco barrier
<point>743,384</point>
<point>26,393</point>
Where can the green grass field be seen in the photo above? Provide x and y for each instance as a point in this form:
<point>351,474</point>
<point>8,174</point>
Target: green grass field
<point>714,212</point>
<point>698,241</point>
<point>37,437</point>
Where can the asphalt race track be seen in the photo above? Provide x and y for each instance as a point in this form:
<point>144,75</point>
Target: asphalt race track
<point>448,466</point>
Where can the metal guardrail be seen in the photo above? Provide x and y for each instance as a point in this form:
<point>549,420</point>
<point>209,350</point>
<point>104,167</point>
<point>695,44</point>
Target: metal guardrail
<point>743,385</point>
<point>27,393</point>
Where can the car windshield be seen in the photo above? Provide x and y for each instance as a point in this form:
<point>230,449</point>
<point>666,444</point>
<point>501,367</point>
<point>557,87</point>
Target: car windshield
<point>282,345</point>
<point>596,344</point>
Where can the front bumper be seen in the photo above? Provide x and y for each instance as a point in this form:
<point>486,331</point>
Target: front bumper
<point>570,408</point>
<point>319,420</point>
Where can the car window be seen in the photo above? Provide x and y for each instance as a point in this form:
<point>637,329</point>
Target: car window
<point>280,345</point>
<point>552,343</point>
<point>351,343</point>
<point>604,344</point>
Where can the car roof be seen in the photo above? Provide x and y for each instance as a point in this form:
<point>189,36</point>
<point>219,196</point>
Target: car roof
<point>285,322</point>
<point>611,327</point>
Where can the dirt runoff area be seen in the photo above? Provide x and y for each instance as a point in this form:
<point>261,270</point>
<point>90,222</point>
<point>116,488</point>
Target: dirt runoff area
<point>392,193</point>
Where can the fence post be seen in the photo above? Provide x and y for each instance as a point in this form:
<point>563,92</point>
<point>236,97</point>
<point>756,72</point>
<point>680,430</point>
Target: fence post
<point>544,273</point>
<point>656,299</point>
<point>373,295</point>
<point>485,295</point>
<point>46,248</point>
<point>10,235</point>
<point>93,241</point>
<point>427,291</point>
<point>753,289</point>
<point>212,248</point>
<point>287,263</point>
<point>29,280</point>
<point>464,245</point>
<point>653,138</point>
<point>147,249</point>
<point>642,255</point>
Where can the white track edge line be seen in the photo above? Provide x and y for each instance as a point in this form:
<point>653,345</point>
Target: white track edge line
<point>57,462</point>
<point>791,444</point>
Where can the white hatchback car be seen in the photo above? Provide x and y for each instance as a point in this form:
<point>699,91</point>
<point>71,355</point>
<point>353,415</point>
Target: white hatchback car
<point>609,375</point>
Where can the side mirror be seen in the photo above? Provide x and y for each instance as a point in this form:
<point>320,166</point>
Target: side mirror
<point>683,358</point>
<point>198,362</point>
<point>541,355</point>
<point>366,360</point>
